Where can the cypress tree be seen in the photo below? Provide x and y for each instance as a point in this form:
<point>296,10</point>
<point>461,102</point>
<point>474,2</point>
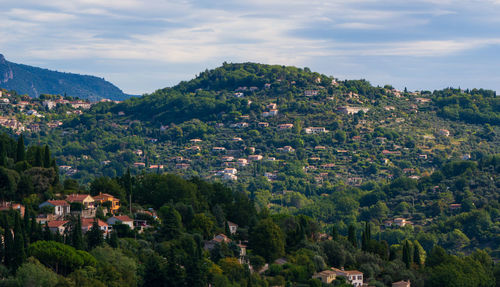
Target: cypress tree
<point>351,236</point>
<point>94,236</point>
<point>20,151</point>
<point>417,256</point>
<point>8,244</point>
<point>19,254</point>
<point>26,229</point>
<point>113,239</point>
<point>3,154</point>
<point>407,254</point>
<point>76,234</point>
<point>38,157</point>
<point>364,241</point>
<point>227,230</point>
<point>47,235</point>
<point>46,157</point>
<point>335,234</point>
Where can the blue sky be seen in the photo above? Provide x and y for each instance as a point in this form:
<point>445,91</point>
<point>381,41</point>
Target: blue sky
<point>142,46</point>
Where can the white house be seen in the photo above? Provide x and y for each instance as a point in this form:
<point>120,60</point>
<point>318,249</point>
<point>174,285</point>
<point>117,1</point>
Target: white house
<point>61,207</point>
<point>354,277</point>
<point>121,219</point>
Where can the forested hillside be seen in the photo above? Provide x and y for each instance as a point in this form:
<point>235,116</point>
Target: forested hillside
<point>312,172</point>
<point>35,81</point>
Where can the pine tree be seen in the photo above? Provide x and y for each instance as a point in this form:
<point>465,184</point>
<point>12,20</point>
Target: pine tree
<point>21,152</point>
<point>407,254</point>
<point>76,235</point>
<point>351,236</point>
<point>113,239</point>
<point>19,254</point>
<point>46,157</point>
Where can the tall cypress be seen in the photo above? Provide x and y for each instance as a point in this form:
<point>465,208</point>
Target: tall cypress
<point>38,157</point>
<point>407,254</point>
<point>94,236</point>
<point>20,151</point>
<point>76,234</point>
<point>335,234</point>
<point>19,255</point>
<point>351,236</point>
<point>46,157</point>
<point>8,244</point>
<point>3,154</point>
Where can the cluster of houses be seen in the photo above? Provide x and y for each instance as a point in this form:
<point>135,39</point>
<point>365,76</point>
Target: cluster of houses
<point>55,213</point>
<point>353,277</point>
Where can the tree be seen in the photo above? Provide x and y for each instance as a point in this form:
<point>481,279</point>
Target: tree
<point>171,222</point>
<point>351,236</point>
<point>76,234</point>
<point>18,246</point>
<point>38,157</point>
<point>407,254</point>
<point>267,240</point>
<point>33,273</point>
<point>335,233</point>
<point>8,244</point>
<point>20,150</point>
<point>46,157</point>
<point>94,236</point>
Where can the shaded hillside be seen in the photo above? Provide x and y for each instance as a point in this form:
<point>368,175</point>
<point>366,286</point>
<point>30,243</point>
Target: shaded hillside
<point>35,81</point>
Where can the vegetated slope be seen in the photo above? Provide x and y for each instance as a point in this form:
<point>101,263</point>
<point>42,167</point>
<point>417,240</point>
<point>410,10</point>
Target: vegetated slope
<point>35,81</point>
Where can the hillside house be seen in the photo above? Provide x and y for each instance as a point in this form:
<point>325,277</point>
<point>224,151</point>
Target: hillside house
<point>326,276</point>
<point>237,139</point>
<point>114,203</point>
<point>309,93</point>
<point>354,277</point>
<point>139,164</point>
<point>444,132</point>
<point>58,226</point>
<point>61,207</point>
<point>218,149</point>
<point>182,165</point>
<point>227,158</point>
<point>315,130</point>
<point>288,149</point>
<point>86,200</point>
<point>233,227</point>
<point>88,222</point>
<point>320,147</point>
<point>195,140</point>
<point>263,124</point>
<point>255,157</point>
<point>7,205</point>
<point>401,283</point>
<point>242,162</point>
<point>121,219</point>
<point>401,222</point>
<point>229,176</point>
<point>285,126</point>
<point>351,110</point>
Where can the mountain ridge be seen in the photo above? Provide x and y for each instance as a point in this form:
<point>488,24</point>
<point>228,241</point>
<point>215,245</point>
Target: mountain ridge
<point>35,81</point>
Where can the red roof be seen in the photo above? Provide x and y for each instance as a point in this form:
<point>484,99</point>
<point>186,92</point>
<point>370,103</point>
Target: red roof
<point>123,218</point>
<point>88,222</point>
<point>103,196</point>
<point>56,223</point>
<point>77,197</point>
<point>58,202</point>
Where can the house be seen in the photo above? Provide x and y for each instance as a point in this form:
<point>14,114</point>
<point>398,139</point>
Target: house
<point>270,113</point>
<point>255,157</point>
<point>139,164</point>
<point>121,219</point>
<point>85,199</point>
<point>309,93</point>
<point>104,197</point>
<point>401,283</point>
<point>263,124</point>
<point>272,106</point>
<point>285,126</point>
<point>455,206</point>
<point>401,222</point>
<point>88,222</point>
<point>315,130</point>
<point>351,110</point>
<point>227,158</point>
<point>444,132</point>
<point>288,149</point>
<point>354,277</point>
<point>326,276</point>
<point>218,149</point>
<point>195,140</point>
<point>182,165</point>
<point>7,205</point>
<point>320,147</point>
<point>233,227</point>
<point>229,176</point>
<point>242,162</point>
<point>58,226</point>
<point>230,170</point>
<point>237,139</point>
<point>61,207</point>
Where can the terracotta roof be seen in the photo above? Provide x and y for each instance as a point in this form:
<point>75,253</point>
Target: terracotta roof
<point>77,197</point>
<point>123,218</point>
<point>103,196</point>
<point>56,223</point>
<point>58,202</point>
<point>88,222</point>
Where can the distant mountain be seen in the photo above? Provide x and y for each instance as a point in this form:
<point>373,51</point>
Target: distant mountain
<point>35,81</point>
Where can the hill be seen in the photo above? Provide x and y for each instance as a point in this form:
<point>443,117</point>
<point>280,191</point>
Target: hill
<point>36,81</point>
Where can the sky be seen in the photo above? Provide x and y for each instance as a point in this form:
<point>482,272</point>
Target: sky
<point>142,46</point>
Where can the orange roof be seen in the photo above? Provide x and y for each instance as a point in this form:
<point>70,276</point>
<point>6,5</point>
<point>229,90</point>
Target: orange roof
<point>77,197</point>
<point>103,196</point>
<point>88,222</point>
<point>123,218</point>
<point>56,223</point>
<point>58,202</point>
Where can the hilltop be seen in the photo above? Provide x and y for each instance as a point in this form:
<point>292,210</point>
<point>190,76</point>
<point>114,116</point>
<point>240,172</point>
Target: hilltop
<point>35,81</point>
